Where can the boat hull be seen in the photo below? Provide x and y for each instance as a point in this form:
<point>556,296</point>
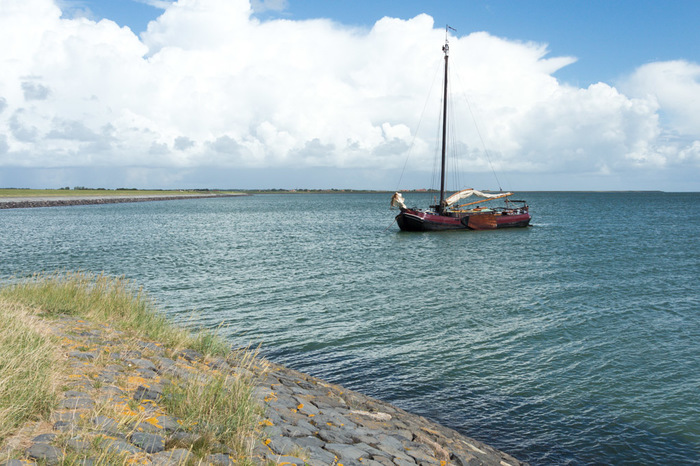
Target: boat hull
<point>417,220</point>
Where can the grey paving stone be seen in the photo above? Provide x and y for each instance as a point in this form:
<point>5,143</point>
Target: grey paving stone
<point>290,460</point>
<point>364,435</point>
<point>112,390</point>
<point>308,408</point>
<point>149,346</point>
<point>153,392</point>
<point>282,445</point>
<point>64,426</point>
<point>83,356</point>
<point>44,438</point>
<point>76,403</point>
<point>77,444</point>
<point>177,457</point>
<point>66,416</point>
<point>19,463</point>
<point>346,452</point>
<point>121,447</point>
<point>151,443</point>
<point>142,363</point>
<point>310,441</point>
<point>45,452</point>
<point>169,423</point>
<point>147,373</point>
<point>273,431</point>
<point>295,431</point>
<point>114,368</point>
<point>395,450</point>
<point>334,418</point>
<point>75,394</point>
<point>372,462</point>
<point>404,462</point>
<point>380,460</point>
<point>326,402</point>
<point>283,403</point>
<point>334,436</point>
<point>126,355</point>
<point>421,453</point>
<point>190,355</point>
<point>107,377</point>
<point>219,459</point>
<point>163,363</point>
<point>104,423</point>
<point>320,457</point>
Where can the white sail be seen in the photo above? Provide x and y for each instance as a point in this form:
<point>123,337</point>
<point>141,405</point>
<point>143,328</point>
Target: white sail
<point>398,201</point>
<point>465,193</point>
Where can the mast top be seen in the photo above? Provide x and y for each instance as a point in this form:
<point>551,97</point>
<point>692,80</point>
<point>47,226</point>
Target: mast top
<point>446,47</point>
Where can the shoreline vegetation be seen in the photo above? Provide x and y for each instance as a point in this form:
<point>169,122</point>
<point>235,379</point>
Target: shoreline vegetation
<point>94,374</point>
<point>35,375</point>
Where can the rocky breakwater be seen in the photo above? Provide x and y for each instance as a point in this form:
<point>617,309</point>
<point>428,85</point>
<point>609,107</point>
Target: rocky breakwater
<point>26,202</point>
<point>113,408</point>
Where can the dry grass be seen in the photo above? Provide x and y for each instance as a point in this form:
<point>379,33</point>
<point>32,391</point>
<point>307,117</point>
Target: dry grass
<point>218,408</point>
<point>30,368</point>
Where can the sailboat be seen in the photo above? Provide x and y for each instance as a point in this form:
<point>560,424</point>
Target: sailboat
<point>447,213</point>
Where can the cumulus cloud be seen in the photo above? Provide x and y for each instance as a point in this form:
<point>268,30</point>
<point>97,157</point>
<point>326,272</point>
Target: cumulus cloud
<point>675,86</point>
<point>210,85</point>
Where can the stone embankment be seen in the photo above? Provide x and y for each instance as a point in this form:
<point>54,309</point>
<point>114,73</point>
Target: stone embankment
<point>306,420</point>
<point>26,202</point>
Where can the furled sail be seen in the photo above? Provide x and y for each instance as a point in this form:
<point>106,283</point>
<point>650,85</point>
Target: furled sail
<point>398,201</point>
<point>465,193</point>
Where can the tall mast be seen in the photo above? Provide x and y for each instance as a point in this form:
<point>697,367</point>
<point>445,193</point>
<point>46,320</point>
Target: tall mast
<point>446,50</point>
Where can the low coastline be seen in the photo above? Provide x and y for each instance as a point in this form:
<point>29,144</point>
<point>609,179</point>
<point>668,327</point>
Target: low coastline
<point>55,201</point>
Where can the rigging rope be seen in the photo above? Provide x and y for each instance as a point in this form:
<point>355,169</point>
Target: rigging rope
<point>415,133</point>
<point>483,144</point>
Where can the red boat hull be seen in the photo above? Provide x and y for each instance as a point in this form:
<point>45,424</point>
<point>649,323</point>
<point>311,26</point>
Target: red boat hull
<point>417,220</point>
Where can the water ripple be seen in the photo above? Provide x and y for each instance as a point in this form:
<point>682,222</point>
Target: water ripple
<point>571,342</point>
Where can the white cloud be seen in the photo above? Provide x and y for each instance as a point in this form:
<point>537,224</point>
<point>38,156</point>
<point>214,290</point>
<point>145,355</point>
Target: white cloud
<point>162,4</point>
<point>260,6</point>
<point>209,85</point>
<point>675,85</point>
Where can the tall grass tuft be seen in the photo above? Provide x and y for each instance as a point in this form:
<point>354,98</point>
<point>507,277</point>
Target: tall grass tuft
<point>220,409</point>
<point>101,298</point>
<point>29,368</point>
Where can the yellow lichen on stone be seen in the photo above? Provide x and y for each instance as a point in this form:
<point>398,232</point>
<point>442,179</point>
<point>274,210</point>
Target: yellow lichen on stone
<point>136,380</point>
<point>137,460</point>
<point>124,409</point>
<point>153,421</point>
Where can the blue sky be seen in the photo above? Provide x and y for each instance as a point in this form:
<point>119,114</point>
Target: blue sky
<point>290,93</point>
<point>608,37</point>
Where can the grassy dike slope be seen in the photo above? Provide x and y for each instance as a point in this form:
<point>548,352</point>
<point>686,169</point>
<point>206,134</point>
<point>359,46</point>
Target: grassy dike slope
<point>33,372</point>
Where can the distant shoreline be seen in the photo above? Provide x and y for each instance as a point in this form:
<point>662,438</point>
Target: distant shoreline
<point>57,201</point>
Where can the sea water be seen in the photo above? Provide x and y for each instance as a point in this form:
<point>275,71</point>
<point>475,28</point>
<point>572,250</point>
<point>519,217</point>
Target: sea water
<point>576,340</point>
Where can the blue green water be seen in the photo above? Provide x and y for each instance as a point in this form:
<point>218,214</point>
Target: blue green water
<point>574,341</point>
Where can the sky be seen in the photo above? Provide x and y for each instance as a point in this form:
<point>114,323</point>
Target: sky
<point>549,94</point>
